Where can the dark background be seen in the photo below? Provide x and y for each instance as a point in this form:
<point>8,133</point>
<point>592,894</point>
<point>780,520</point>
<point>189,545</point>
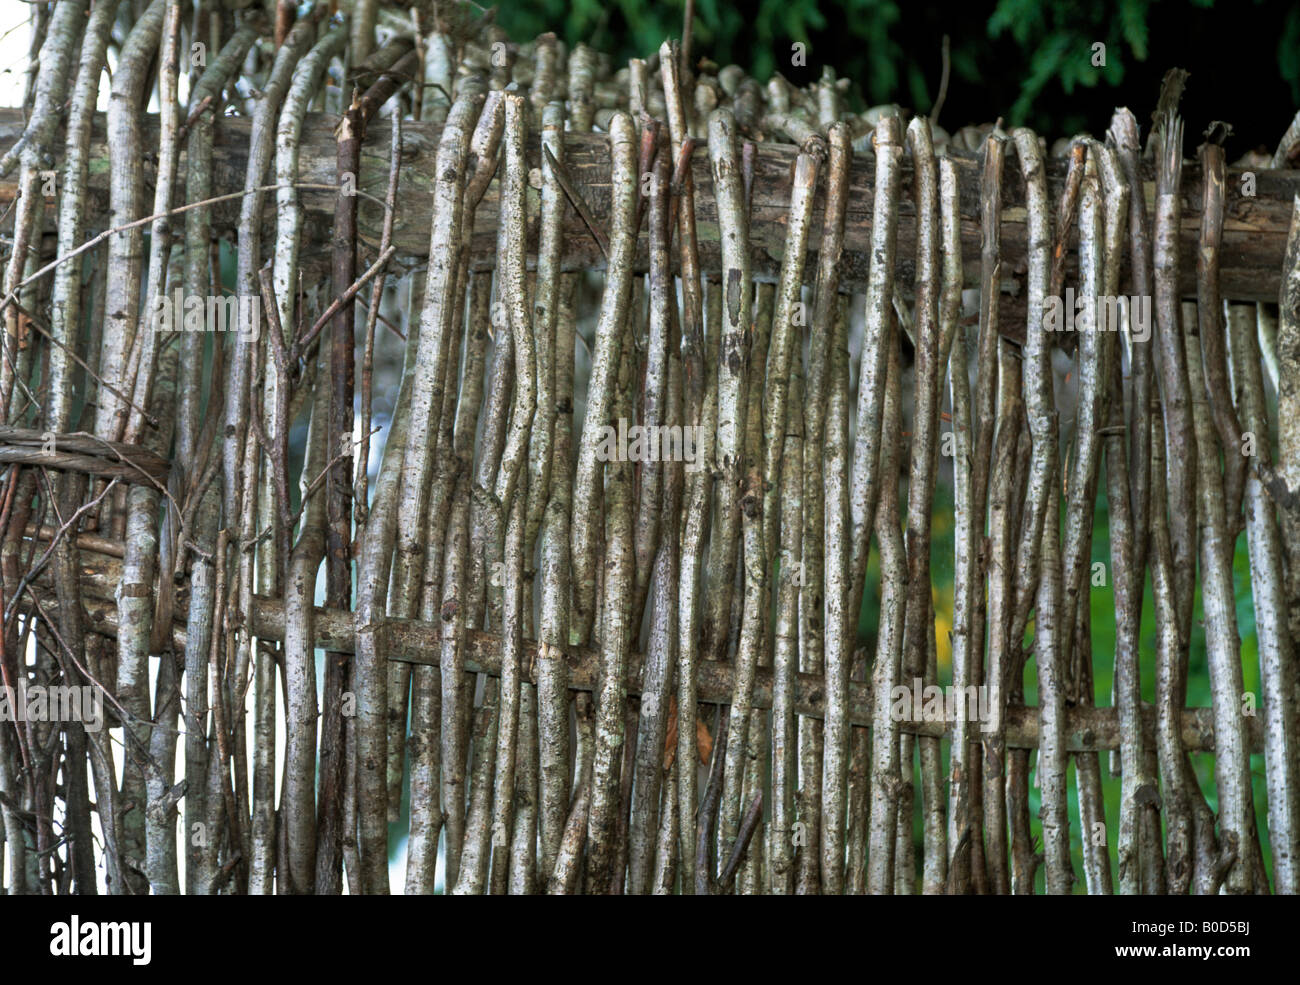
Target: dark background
<point>1027,61</point>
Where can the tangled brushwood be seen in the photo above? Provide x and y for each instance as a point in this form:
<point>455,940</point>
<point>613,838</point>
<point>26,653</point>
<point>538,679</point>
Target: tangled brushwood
<point>567,669</point>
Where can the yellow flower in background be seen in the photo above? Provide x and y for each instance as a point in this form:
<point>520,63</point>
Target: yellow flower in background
<point>943,606</point>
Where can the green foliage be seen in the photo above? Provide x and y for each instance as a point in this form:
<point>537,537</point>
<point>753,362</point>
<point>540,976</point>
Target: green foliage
<point>1058,40</point>
<point>1055,41</point>
<point>1288,52</point>
<point>628,28</point>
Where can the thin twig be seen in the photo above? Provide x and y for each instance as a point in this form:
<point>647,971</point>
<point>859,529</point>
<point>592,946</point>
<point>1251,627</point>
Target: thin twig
<point>577,201</point>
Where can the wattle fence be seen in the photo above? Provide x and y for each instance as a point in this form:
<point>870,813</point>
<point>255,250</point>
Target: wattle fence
<point>690,371</point>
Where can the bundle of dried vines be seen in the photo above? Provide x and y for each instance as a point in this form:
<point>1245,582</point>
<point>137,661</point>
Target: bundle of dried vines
<point>574,664</point>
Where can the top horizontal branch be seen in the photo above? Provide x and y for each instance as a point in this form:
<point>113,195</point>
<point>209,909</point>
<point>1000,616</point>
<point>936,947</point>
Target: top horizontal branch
<point>81,452</point>
<point>1254,230</point>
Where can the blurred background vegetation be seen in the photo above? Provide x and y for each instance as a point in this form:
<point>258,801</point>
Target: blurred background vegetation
<point>1027,61</point>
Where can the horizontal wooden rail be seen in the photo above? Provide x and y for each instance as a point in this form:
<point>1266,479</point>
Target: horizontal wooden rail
<point>1254,229</point>
<point>1086,728</point>
<point>413,641</point>
<point>81,452</point>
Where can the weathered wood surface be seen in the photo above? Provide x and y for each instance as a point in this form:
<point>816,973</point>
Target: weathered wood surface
<point>410,640</point>
<point>85,453</point>
<point>1087,728</point>
<point>1254,232</point>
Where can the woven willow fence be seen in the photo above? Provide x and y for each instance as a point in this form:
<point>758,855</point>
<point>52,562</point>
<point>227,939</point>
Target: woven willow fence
<point>578,661</point>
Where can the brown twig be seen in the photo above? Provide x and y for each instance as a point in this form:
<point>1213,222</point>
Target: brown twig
<point>577,201</point>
